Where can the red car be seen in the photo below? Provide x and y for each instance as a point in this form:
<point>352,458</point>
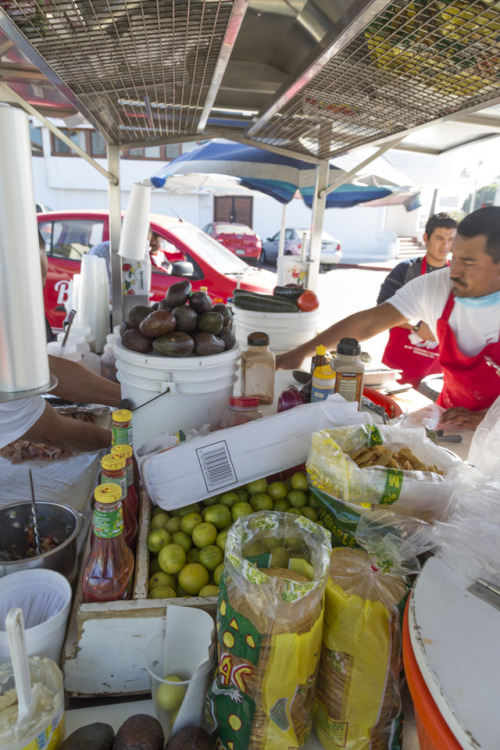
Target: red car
<point>238,238</point>
<point>189,251</point>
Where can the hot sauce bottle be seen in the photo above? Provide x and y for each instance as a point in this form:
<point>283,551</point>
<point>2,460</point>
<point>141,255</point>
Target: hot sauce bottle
<point>122,434</point>
<point>107,571</point>
<point>113,472</point>
<point>126,452</point>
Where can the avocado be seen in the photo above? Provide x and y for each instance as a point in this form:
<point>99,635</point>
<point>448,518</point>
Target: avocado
<point>125,326</point>
<point>228,338</point>
<point>178,293</point>
<point>157,323</point>
<point>174,344</point>
<point>137,341</point>
<point>206,343</point>
<point>191,738</point>
<point>97,736</point>
<point>163,305</point>
<point>200,302</point>
<point>226,313</point>
<point>213,322</point>
<point>139,732</point>
<point>154,307</point>
<point>185,317</point>
<point>137,315</point>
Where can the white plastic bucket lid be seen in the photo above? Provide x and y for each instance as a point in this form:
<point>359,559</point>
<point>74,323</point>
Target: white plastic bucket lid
<point>70,351</point>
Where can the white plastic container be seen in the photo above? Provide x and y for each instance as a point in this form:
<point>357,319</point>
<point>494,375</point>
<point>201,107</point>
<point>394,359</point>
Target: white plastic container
<point>195,390</point>
<point>79,341</point>
<point>69,352</point>
<point>45,598</point>
<point>285,330</point>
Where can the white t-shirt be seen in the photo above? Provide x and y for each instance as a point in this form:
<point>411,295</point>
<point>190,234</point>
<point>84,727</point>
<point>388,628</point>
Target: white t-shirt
<point>16,417</point>
<point>475,323</point>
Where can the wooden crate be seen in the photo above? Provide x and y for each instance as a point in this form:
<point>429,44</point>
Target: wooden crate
<point>104,652</point>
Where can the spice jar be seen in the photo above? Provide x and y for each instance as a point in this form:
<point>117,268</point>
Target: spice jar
<point>241,409</point>
<point>349,370</point>
<point>320,359</point>
<point>323,383</point>
<point>257,368</point>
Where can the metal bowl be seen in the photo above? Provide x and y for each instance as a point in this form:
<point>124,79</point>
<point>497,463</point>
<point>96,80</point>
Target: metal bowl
<point>54,520</point>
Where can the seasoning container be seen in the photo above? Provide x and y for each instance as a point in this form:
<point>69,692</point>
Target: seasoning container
<point>349,370</point>
<point>240,410</point>
<point>114,472</point>
<point>320,359</point>
<point>257,368</point>
<point>126,452</point>
<point>323,383</point>
<point>107,571</point>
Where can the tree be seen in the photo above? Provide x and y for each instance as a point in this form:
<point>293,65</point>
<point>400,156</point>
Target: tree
<point>484,196</point>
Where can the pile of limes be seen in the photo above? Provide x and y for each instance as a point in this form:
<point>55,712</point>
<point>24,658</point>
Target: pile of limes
<point>187,545</point>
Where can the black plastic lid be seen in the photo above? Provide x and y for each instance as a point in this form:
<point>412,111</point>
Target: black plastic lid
<point>349,347</point>
<point>258,338</point>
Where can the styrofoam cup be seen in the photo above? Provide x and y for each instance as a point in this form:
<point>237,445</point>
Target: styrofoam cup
<point>45,598</point>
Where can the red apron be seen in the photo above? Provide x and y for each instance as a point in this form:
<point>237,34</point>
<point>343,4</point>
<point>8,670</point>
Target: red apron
<point>415,361</point>
<point>468,381</point>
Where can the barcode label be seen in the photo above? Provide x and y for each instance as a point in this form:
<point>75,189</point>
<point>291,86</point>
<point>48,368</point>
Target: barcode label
<point>216,466</point>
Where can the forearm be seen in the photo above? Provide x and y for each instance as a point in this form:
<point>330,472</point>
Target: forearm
<point>77,383</point>
<point>67,433</point>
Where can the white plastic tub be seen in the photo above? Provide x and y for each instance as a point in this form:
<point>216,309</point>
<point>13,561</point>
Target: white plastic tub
<point>195,390</point>
<point>285,330</point>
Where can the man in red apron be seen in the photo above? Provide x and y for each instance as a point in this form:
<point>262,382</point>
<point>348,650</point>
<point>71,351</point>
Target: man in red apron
<point>461,306</point>
<point>412,348</point>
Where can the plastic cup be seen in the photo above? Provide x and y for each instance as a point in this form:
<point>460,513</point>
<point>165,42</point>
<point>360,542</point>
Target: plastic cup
<point>180,701</point>
<point>45,599</point>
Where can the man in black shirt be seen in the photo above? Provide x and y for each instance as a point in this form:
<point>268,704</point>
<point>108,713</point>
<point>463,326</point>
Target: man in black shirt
<point>412,348</point>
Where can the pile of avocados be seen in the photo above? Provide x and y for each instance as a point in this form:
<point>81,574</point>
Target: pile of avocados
<point>183,324</point>
<point>138,732</point>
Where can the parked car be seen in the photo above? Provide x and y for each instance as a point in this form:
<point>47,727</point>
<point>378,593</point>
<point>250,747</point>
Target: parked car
<point>330,247</point>
<point>238,238</point>
<point>189,253</point>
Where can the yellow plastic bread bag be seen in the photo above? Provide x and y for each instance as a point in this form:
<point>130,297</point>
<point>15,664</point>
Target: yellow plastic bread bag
<point>357,704</point>
<point>269,629</point>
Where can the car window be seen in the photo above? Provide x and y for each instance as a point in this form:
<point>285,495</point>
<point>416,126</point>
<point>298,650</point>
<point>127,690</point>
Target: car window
<point>276,237</point>
<point>288,234</point>
<point>209,228</point>
<point>72,238</point>
<point>212,252</point>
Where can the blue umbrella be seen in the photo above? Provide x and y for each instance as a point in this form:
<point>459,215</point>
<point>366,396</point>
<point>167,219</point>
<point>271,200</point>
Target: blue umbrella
<point>281,176</point>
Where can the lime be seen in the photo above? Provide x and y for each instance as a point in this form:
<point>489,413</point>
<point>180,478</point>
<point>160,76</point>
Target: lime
<point>189,521</point>
<point>172,558</point>
<point>299,481</point>
<point>272,542</point>
<point>209,590</point>
<point>295,511</point>
<point>219,515</point>
<point>210,557</point>
<point>181,592</point>
<point>211,501</point>
<point>310,513</point>
<point>221,540</point>
<point>255,549</point>
<point>162,579</point>
<point>229,498</point>
<point>242,494</point>
<point>192,555</point>
<point>277,490</point>
<point>194,508</point>
<point>193,577</point>
<point>180,537</point>
<point>261,501</point>
<point>281,505</point>
<point>173,525</point>
<point>311,501</point>
<point>280,558</point>
<point>156,509</point>
<point>241,509</point>
<point>159,520</point>
<point>204,534</point>
<point>170,697</point>
<point>217,573</point>
<point>156,539</point>
<point>297,498</point>
<point>162,592</point>
<point>154,565</point>
<point>258,485</point>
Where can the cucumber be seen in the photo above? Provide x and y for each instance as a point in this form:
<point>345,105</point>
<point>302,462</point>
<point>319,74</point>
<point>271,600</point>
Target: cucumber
<point>288,292</point>
<point>264,303</point>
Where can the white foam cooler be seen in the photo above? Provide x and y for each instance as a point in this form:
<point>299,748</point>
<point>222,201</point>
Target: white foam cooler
<point>195,390</point>
<point>285,330</point>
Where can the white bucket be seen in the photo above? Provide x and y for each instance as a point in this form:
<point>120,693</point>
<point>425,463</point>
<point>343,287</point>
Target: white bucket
<point>196,390</point>
<point>45,598</point>
<point>285,330</point>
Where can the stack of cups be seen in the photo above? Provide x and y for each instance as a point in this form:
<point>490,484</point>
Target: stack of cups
<point>94,298</point>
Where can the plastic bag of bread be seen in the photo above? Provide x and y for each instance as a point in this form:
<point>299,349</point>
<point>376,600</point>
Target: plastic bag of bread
<point>269,629</point>
<point>377,465</point>
<point>357,704</point>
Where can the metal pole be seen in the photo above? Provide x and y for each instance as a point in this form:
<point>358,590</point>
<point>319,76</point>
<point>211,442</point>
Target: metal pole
<point>281,246</point>
<point>114,235</point>
<point>347,175</point>
<point>318,215</point>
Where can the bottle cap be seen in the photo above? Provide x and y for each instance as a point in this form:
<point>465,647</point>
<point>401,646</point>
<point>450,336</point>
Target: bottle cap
<point>321,350</point>
<point>245,402</point>
<point>324,372</point>
<point>107,493</point>
<point>122,451</point>
<point>121,415</point>
<point>112,463</point>
<point>348,347</point>
<point>258,338</point>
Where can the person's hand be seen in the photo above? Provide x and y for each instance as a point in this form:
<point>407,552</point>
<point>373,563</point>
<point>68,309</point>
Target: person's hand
<point>458,416</point>
<point>425,332</point>
<point>291,360</point>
